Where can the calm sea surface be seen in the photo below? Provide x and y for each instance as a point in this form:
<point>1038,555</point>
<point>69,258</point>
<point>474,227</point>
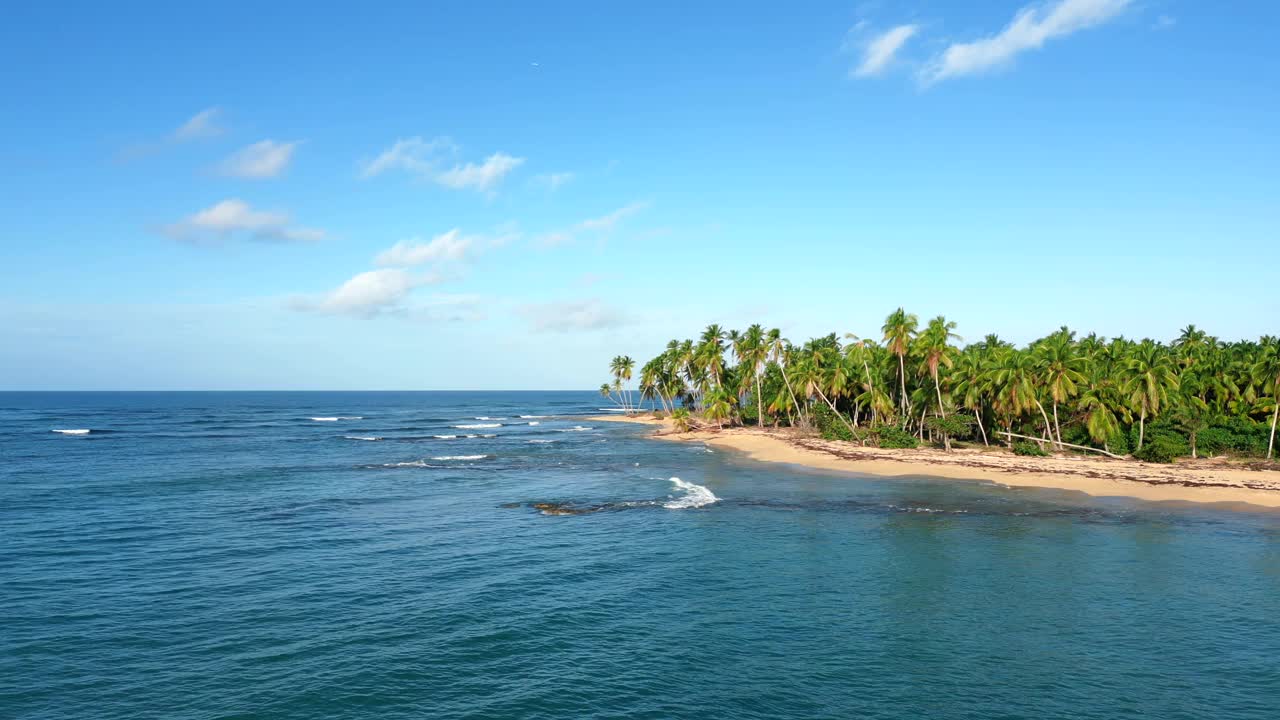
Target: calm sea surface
<point>376,555</point>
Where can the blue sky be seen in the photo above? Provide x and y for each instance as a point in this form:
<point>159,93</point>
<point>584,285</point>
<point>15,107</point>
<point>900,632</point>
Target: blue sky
<point>505,195</point>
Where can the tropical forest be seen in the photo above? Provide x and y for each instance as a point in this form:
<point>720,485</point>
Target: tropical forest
<point>914,384</point>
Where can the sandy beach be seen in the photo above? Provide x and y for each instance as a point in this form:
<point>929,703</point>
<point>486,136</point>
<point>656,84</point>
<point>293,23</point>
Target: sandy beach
<point>1210,480</point>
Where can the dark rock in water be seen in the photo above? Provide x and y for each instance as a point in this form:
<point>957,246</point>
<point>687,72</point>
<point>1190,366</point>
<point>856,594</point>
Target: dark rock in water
<point>555,508</point>
<point>509,505</point>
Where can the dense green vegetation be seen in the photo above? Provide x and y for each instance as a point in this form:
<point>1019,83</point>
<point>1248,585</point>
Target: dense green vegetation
<point>1195,396</point>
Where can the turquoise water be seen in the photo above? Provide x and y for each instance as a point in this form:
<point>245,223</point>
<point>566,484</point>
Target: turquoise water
<point>228,556</point>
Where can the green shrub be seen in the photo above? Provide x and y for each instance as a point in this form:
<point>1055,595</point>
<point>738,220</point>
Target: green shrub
<point>1026,447</point>
<point>658,415</point>
<point>1161,449</point>
<point>892,437</point>
<point>830,426</point>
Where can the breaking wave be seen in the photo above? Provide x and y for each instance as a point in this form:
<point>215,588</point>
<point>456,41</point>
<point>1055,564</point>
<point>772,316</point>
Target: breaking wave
<point>76,431</point>
<point>367,438</point>
<point>336,418</point>
<point>478,426</point>
<point>462,457</point>
<point>695,496</point>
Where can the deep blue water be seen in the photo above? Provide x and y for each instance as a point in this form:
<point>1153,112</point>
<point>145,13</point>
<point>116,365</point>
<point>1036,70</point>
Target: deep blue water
<point>225,555</point>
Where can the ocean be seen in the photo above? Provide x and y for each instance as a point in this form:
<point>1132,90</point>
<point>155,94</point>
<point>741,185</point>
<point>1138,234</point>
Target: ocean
<point>392,555</point>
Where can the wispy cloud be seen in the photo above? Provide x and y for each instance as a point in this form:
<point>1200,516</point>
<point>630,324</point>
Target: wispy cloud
<point>880,50</point>
<point>452,245</point>
<point>1030,29</point>
<point>203,124</point>
<point>572,315</point>
<point>483,176</point>
<point>552,181</point>
<point>265,159</point>
<point>597,225</point>
<point>431,159</point>
<point>235,218</point>
<point>367,294</point>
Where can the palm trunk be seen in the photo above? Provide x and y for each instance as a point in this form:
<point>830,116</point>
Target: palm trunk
<point>792,393</point>
<point>1048,429</point>
<point>759,401</point>
<point>1056,427</point>
<point>938,388</point>
<point>1271,444</point>
<point>902,377</point>
<point>977,414</point>
<point>834,410</point>
<point>1142,427</point>
<point>871,388</point>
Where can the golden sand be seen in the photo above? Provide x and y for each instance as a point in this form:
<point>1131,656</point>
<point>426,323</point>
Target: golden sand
<point>1232,485</point>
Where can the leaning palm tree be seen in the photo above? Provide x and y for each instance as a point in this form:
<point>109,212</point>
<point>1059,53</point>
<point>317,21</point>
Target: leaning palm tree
<point>936,351</point>
<point>780,350</point>
<point>1060,369</point>
<point>1150,377</point>
<point>899,329</point>
<point>1266,373</point>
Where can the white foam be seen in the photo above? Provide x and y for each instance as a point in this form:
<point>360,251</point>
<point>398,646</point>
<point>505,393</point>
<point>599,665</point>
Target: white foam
<point>532,416</point>
<point>622,410</point>
<point>534,422</point>
<point>77,431</point>
<point>486,417</point>
<point>695,496</point>
<point>540,442</point>
<point>368,438</point>
<point>575,428</point>
<point>477,426</point>
<point>413,463</point>
<point>337,418</point>
<point>460,457</point>
<point>445,437</point>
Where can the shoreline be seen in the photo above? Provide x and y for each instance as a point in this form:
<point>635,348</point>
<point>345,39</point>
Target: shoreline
<point>1206,481</point>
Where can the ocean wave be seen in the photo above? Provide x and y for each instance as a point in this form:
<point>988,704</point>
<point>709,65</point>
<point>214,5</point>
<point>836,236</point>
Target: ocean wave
<point>76,431</point>
<point>534,422</point>
<point>540,442</point>
<point>621,410</point>
<point>532,416</point>
<point>478,426</point>
<point>486,417</point>
<point>575,428</point>
<point>462,457</point>
<point>336,418</point>
<point>368,438</point>
<point>695,496</point>
<point>410,463</point>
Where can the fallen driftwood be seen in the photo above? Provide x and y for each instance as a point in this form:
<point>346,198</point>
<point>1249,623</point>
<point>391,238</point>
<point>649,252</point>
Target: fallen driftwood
<point>1055,442</point>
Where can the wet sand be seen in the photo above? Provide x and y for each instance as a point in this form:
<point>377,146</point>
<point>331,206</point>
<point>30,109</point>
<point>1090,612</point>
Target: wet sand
<point>1219,481</point>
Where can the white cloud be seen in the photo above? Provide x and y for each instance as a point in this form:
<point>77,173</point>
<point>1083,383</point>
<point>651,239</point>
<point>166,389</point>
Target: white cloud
<point>552,181</point>
<point>235,217</point>
<point>481,177</point>
<point>880,50</point>
<point>1031,27</point>
<point>203,124</point>
<point>571,315</point>
<point>425,158</point>
<point>413,155</point>
<point>599,225</point>
<point>389,292</point>
<point>607,222</point>
<point>452,245</point>
<point>366,294</point>
<point>265,159</point>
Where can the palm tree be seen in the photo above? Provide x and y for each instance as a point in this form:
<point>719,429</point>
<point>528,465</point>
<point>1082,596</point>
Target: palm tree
<point>899,329</point>
<point>1266,373</point>
<point>1150,378</point>
<point>719,405</point>
<point>779,350</point>
<point>936,351</point>
<point>971,385</point>
<point>752,352</point>
<point>1060,367</point>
